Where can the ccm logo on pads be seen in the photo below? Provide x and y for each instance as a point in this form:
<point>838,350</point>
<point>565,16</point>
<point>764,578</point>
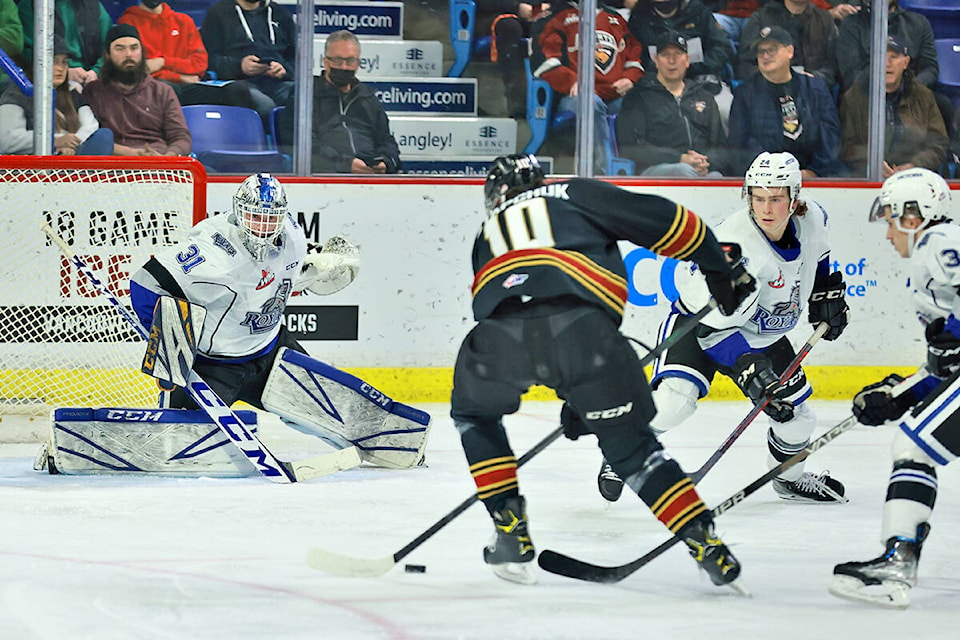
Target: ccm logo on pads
<point>606,414</point>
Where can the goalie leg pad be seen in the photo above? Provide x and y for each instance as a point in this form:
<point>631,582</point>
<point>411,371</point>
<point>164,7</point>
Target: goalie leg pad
<point>344,410</point>
<point>176,442</point>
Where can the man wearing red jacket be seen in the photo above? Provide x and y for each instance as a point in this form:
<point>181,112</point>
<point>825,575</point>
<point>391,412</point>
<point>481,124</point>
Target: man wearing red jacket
<point>176,55</point>
<point>617,66</point>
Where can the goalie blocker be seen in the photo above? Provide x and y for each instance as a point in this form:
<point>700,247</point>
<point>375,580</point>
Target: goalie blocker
<point>343,410</point>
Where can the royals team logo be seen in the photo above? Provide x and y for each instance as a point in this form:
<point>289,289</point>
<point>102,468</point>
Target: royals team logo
<point>782,317</point>
<point>271,312</point>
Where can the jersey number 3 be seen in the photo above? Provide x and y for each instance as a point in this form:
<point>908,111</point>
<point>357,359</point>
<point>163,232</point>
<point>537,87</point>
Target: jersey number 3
<point>525,225</point>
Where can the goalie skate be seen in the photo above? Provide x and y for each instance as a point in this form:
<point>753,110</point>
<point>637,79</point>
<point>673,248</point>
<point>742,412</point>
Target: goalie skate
<point>884,581</point>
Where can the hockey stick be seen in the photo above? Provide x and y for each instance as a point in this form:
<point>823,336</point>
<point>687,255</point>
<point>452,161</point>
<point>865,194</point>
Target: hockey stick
<point>208,400</point>
<point>697,475</point>
<point>342,565</point>
<point>563,565</point>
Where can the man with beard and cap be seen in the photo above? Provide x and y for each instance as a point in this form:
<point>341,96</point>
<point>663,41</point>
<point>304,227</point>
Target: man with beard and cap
<point>351,131</point>
<point>144,114</point>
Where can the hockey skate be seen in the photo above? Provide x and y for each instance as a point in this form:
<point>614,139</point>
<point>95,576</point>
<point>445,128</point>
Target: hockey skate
<point>511,552</point>
<point>712,555</point>
<point>811,488</point>
<point>884,581</point>
<point>609,483</point>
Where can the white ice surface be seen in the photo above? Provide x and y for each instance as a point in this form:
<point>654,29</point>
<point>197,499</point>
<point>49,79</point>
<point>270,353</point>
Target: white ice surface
<point>125,557</point>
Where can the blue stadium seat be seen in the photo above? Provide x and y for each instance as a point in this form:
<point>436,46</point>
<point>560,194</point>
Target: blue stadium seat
<point>948,55</point>
<point>944,15</point>
<point>232,140</point>
<point>463,16</point>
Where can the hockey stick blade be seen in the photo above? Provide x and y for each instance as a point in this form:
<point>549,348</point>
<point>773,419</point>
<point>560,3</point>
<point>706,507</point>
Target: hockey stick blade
<point>791,369</point>
<point>564,565</point>
<point>324,465</point>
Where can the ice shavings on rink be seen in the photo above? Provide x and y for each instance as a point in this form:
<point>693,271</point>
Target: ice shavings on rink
<point>124,557</point>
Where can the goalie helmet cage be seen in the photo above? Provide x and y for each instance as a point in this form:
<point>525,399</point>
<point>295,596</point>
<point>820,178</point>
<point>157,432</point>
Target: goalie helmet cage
<point>61,344</point>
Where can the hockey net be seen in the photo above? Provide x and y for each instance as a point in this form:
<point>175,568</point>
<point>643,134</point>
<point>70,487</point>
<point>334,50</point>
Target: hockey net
<point>61,344</point>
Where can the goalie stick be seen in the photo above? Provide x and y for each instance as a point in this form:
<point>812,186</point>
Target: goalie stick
<point>564,565</point>
<point>697,475</point>
<point>343,565</point>
<point>207,399</point>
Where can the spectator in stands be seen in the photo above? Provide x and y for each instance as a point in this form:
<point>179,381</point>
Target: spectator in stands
<point>253,41</point>
<point>669,126</point>
<point>707,44</point>
<point>11,34</point>
<point>778,110</point>
<point>732,15</point>
<point>916,135</point>
<point>175,54</point>
<point>908,27</point>
<point>83,24</point>
<point>814,36</point>
<point>509,24</point>
<point>351,131</point>
<point>617,67</point>
<point>143,113</point>
<point>76,130</point>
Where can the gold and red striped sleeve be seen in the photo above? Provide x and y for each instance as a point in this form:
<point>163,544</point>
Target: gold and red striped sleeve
<point>685,235</point>
<point>606,285</point>
<point>494,476</point>
<point>678,505</point>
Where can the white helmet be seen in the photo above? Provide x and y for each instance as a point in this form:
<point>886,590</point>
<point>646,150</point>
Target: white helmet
<point>771,170</point>
<point>913,193</point>
<point>259,208</point>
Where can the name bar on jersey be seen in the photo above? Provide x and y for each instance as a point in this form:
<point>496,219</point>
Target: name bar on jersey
<point>454,136</point>
<point>391,58</point>
<point>378,19</point>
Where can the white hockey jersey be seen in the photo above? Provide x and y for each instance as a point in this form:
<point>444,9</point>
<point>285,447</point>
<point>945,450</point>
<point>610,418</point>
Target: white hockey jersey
<point>244,298</point>
<point>784,279</point>
<point>935,273</point>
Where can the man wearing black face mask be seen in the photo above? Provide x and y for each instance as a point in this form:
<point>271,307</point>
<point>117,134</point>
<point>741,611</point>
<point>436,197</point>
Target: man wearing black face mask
<point>351,132</point>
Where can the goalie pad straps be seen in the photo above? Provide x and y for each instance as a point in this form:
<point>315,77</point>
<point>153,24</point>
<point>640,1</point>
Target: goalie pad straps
<point>172,343</point>
<point>343,409</point>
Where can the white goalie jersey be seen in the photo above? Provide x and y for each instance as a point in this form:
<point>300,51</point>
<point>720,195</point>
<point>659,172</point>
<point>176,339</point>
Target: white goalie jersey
<point>785,279</point>
<point>244,298</point>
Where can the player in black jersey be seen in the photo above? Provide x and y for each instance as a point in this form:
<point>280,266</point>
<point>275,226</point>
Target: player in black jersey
<point>549,292</point>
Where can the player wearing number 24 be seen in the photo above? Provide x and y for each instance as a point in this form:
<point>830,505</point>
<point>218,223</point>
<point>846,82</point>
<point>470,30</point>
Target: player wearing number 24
<point>549,293</point>
<point>915,206</point>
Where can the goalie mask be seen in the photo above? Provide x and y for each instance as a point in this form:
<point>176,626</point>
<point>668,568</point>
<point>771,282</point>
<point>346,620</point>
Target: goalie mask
<point>771,170</point>
<point>915,193</point>
<point>510,175</point>
<point>259,208</point>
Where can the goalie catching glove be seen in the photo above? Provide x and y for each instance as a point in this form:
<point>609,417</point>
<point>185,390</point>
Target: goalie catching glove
<point>755,377</point>
<point>827,304</point>
<point>730,288</point>
<point>329,268</point>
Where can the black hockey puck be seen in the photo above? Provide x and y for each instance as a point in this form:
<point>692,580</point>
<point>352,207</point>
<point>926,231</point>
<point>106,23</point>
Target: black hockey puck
<point>415,568</point>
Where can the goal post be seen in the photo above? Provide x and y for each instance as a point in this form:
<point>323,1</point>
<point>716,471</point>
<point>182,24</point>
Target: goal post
<point>61,344</point>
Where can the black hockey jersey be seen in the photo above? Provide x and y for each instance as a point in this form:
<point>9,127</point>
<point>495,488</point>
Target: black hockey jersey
<point>560,239</point>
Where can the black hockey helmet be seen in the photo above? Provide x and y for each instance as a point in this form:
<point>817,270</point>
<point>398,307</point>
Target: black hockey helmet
<point>510,175</point>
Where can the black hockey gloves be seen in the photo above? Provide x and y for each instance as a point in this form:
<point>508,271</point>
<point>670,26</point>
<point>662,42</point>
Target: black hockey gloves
<point>756,379</point>
<point>827,304</point>
<point>730,288</point>
<point>573,426</point>
<point>943,346</point>
<point>874,405</point>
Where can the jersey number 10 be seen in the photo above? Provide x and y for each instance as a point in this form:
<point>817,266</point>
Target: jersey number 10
<point>525,225</point>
